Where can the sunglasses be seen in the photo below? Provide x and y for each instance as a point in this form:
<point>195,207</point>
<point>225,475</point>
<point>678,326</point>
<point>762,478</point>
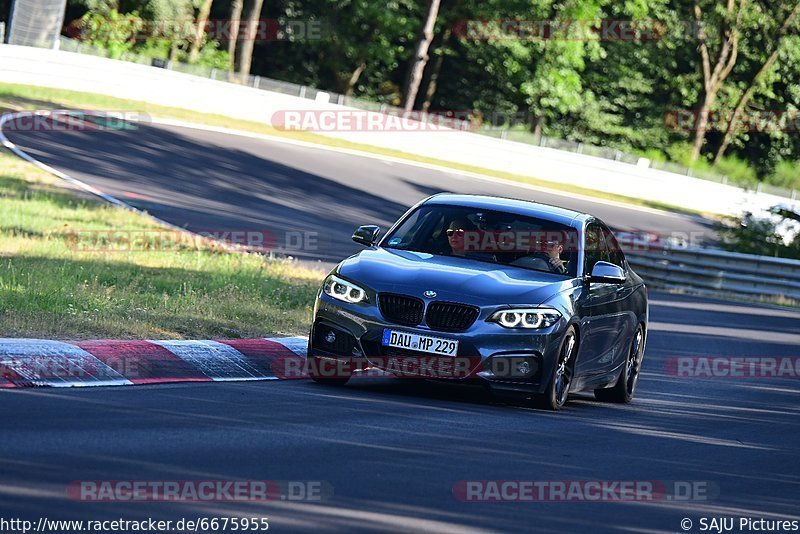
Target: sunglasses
<point>451,231</point>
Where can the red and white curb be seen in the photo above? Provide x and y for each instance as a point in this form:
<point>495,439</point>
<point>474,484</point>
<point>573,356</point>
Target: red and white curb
<point>41,362</point>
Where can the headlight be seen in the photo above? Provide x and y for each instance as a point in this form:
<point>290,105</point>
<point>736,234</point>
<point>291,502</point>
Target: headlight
<point>343,290</point>
<point>526,317</point>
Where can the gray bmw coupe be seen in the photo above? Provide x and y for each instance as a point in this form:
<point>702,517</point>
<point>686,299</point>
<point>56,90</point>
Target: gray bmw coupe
<point>519,296</point>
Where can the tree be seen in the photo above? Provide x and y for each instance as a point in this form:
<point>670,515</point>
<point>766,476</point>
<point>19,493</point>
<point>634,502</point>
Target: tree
<point>356,47</point>
<point>202,19</point>
<point>175,16</point>
<point>754,83</point>
<point>118,41</point>
<point>417,68</point>
<point>235,21</point>
<point>762,235</point>
<point>431,78</point>
<point>251,31</point>
<point>555,86</point>
<point>723,59</point>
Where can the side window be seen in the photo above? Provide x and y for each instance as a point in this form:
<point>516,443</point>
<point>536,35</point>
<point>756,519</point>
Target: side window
<point>615,254</point>
<point>594,249</point>
<point>601,245</point>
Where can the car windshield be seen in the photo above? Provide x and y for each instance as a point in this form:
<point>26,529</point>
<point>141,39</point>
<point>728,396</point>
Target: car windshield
<point>489,236</point>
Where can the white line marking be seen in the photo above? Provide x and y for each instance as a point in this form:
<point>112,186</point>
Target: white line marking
<point>298,345</point>
<point>218,361</point>
<point>55,363</point>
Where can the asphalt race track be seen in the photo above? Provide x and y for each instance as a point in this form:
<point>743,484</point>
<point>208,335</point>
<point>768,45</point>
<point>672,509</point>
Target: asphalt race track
<point>208,181</point>
<point>393,450</point>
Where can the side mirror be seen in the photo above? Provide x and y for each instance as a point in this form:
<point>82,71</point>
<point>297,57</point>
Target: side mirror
<point>607,273</point>
<point>366,235</point>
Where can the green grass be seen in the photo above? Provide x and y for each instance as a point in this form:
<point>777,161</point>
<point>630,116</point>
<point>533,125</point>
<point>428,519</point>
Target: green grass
<point>25,97</point>
<point>50,287</point>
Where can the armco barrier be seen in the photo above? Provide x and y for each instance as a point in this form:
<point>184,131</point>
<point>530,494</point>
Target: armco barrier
<point>717,271</point>
<point>65,70</point>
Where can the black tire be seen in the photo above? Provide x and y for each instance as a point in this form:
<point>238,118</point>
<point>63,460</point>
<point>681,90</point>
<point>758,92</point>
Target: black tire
<point>315,364</point>
<point>624,389</point>
<point>330,381</point>
<point>555,396</point>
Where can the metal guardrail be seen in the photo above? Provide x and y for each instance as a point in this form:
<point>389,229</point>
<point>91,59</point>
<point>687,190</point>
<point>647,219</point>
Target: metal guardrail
<point>719,271</point>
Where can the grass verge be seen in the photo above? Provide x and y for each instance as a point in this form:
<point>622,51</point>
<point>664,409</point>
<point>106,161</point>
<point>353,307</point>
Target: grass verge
<point>25,97</point>
<point>52,287</point>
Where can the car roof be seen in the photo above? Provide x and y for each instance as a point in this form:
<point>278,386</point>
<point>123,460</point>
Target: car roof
<point>520,207</point>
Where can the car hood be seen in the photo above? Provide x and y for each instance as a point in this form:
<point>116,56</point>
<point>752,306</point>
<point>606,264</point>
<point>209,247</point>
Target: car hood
<point>452,278</point>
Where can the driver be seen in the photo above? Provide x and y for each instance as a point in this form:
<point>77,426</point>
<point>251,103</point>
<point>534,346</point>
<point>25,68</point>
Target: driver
<point>551,253</point>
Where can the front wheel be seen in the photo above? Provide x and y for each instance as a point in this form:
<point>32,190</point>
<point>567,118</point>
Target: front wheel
<point>555,396</point>
<point>322,371</point>
<point>622,392</point>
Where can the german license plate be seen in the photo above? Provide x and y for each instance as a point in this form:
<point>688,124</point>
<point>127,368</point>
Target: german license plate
<point>420,343</point>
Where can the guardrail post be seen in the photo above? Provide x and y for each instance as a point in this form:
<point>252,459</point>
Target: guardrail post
<point>302,91</point>
<point>794,195</point>
<point>617,155</point>
<point>725,180</point>
<point>758,187</point>
<point>504,134</point>
<point>580,148</point>
<point>213,74</point>
<point>256,80</point>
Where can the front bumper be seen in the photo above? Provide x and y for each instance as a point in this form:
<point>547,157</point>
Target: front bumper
<point>501,358</point>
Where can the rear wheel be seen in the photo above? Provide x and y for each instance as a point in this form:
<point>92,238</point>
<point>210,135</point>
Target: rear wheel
<point>555,396</point>
<point>622,392</point>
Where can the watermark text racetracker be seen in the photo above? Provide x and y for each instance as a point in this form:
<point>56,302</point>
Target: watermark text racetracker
<point>59,367</point>
<point>74,121</point>
<point>297,241</point>
<point>584,490</point>
<point>199,491</point>
<point>435,367</point>
<point>263,30</point>
<point>542,240</point>
<point>288,242</point>
<point>733,366</point>
<point>762,121</point>
<point>356,120</point>
<point>632,30</point>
